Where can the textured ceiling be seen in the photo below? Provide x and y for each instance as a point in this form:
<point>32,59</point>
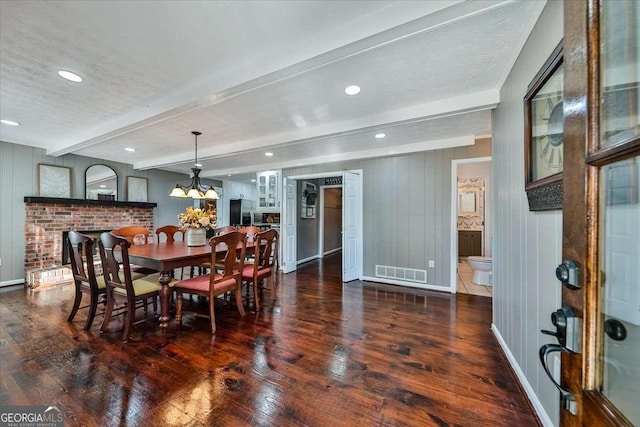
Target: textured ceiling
<point>254,76</point>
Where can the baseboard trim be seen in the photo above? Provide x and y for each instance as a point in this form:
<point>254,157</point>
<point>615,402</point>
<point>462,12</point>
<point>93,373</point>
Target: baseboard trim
<point>12,282</point>
<point>332,251</point>
<point>403,283</point>
<point>533,398</point>
<point>311,258</point>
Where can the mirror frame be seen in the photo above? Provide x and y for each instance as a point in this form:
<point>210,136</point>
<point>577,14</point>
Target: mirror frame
<point>462,202</point>
<point>115,175</point>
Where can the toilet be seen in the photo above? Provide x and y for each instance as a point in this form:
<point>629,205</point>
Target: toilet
<point>482,267</point>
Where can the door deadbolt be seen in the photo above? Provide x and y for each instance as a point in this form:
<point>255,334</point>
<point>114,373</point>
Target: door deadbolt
<point>569,274</point>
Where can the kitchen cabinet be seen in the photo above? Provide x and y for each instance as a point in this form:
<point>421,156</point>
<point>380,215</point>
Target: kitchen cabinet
<point>268,186</point>
<point>239,190</point>
<point>469,243</point>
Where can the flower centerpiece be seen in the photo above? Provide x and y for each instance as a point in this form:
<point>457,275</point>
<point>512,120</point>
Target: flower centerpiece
<point>196,223</point>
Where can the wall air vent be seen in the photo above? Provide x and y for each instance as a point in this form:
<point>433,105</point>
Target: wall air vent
<point>401,273</point>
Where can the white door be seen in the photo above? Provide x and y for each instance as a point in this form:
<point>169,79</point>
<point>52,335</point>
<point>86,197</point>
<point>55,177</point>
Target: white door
<point>351,226</point>
<point>289,231</point>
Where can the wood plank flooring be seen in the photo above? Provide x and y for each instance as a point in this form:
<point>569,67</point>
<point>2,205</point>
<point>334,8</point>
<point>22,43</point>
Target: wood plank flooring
<point>321,354</point>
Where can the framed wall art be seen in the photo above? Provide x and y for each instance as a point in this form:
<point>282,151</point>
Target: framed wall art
<point>309,196</point>
<point>543,136</point>
<point>136,189</point>
<point>54,181</point>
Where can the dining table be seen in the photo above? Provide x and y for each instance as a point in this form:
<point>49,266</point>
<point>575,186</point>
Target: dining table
<point>165,257</point>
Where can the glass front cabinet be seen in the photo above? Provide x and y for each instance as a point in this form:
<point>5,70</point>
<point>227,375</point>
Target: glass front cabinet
<point>268,190</point>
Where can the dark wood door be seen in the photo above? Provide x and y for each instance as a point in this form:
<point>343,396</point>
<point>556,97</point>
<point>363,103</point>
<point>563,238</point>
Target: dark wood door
<point>601,209</point>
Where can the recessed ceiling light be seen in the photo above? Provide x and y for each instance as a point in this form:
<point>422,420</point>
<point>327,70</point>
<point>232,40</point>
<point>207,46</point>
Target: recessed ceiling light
<point>9,122</point>
<point>103,186</point>
<point>352,90</point>
<point>253,180</point>
<point>129,149</point>
<point>268,154</point>
<point>229,175</point>
<point>380,135</point>
<point>198,165</point>
<point>68,75</point>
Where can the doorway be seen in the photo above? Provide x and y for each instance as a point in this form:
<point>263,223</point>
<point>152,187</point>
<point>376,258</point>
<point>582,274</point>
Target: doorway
<point>330,220</point>
<point>351,220</point>
<point>471,212</point>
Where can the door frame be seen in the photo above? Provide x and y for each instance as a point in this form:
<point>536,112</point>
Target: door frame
<point>360,220</point>
<point>453,284</point>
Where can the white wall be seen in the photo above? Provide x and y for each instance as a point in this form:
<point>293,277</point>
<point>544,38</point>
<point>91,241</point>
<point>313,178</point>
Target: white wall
<point>527,246</point>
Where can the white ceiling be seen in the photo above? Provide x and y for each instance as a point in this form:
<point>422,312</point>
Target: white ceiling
<point>254,76</point>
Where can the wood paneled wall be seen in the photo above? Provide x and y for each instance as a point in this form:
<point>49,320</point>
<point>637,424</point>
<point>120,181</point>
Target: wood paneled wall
<point>407,207</point>
<point>19,178</point>
<point>527,245</point>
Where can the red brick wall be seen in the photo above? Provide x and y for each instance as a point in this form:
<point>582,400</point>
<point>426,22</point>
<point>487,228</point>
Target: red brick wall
<point>45,222</point>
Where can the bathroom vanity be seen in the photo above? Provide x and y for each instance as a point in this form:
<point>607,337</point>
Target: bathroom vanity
<point>469,243</point>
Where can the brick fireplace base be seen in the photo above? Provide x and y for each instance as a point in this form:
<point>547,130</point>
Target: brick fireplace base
<point>38,279</point>
<point>47,218</point>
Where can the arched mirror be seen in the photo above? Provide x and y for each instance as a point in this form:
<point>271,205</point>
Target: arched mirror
<point>100,183</point>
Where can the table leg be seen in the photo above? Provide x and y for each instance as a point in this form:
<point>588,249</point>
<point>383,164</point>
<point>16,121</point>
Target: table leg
<point>165,294</point>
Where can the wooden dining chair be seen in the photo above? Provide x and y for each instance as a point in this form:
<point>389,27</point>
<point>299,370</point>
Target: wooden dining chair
<point>251,231</point>
<point>134,235</point>
<point>265,264</point>
<point>120,285</point>
<point>211,285</point>
<point>224,229</point>
<point>170,232</point>
<point>205,267</point>
<point>81,249</point>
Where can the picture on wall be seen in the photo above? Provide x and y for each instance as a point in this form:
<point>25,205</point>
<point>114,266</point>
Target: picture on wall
<point>309,196</point>
<point>54,181</point>
<point>136,189</point>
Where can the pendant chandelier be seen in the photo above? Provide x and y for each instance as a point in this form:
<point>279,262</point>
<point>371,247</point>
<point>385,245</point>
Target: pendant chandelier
<point>195,190</point>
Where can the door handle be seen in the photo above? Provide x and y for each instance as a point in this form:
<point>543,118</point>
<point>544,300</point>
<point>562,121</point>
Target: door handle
<point>566,397</point>
<point>568,330</point>
<point>615,330</point>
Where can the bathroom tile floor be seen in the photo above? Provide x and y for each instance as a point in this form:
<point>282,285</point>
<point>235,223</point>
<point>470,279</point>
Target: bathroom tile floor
<point>466,286</point>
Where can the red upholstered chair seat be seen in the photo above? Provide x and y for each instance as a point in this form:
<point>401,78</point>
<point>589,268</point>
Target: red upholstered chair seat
<point>201,283</point>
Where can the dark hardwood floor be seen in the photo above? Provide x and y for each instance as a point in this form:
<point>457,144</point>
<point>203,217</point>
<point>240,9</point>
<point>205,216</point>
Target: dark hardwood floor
<point>322,354</point>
